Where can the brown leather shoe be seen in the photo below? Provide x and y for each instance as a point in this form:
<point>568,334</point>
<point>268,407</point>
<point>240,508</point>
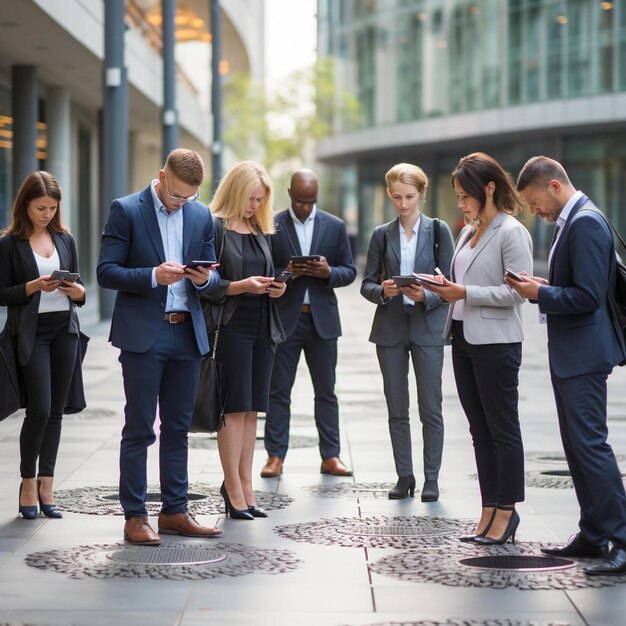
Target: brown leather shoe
<point>137,530</point>
<point>273,467</point>
<point>184,524</point>
<point>335,466</point>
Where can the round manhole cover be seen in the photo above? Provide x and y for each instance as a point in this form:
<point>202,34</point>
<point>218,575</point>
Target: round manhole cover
<point>166,555</point>
<point>421,530</point>
<point>518,563</point>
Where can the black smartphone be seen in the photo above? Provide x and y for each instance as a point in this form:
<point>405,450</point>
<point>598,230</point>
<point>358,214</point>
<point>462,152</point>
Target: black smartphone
<point>194,265</point>
<point>301,260</point>
<point>405,281</point>
<point>514,276</point>
<point>283,277</point>
<point>427,280</point>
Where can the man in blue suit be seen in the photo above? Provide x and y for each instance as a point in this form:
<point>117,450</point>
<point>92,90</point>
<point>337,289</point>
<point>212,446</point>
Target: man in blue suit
<point>310,317</point>
<point>149,240</point>
<point>585,342</point>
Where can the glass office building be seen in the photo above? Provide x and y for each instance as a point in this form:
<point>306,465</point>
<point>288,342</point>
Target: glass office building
<point>437,79</point>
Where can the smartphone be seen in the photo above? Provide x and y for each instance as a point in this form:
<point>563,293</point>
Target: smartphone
<point>194,265</point>
<point>59,275</point>
<point>514,276</point>
<point>283,277</point>
<point>71,277</point>
<point>405,281</point>
<point>427,280</point>
<point>301,260</point>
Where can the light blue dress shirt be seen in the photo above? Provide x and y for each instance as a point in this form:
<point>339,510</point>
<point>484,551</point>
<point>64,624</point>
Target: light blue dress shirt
<point>408,248</point>
<point>305,236</point>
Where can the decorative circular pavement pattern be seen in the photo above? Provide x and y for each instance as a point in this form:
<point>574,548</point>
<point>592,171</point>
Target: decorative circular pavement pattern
<point>551,478</point>
<point>350,489</point>
<point>461,621</point>
<point>379,532</point>
<point>444,567</point>
<point>105,561</point>
<point>209,442</point>
<point>203,500</point>
<point>557,457</point>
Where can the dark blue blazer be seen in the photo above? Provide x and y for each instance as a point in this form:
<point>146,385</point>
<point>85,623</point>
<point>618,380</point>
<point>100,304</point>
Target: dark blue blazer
<point>583,337</point>
<point>329,240</point>
<point>131,247</point>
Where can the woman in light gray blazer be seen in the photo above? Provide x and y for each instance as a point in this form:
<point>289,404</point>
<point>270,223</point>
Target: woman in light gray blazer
<point>409,321</point>
<point>485,324</point>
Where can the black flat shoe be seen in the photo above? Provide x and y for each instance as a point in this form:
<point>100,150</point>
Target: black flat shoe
<point>232,512</point>
<point>404,487</point>
<point>257,512</point>
<point>509,531</point>
<point>49,510</point>
<point>614,565</point>
<point>579,548</point>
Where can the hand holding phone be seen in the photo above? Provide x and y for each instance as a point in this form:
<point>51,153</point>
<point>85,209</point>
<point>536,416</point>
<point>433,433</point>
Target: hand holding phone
<point>513,276</point>
<point>301,260</point>
<point>405,281</point>
<point>283,277</point>
<point>424,279</point>
<point>194,265</point>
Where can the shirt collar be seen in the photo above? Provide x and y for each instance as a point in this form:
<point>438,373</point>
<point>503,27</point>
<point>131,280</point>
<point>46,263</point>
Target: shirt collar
<point>158,204</point>
<point>567,209</point>
<point>308,219</point>
<point>416,227</point>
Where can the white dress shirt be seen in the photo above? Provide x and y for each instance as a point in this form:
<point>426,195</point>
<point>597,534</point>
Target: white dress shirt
<point>408,248</point>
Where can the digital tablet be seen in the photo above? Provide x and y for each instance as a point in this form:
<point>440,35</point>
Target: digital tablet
<point>405,281</point>
<point>427,280</point>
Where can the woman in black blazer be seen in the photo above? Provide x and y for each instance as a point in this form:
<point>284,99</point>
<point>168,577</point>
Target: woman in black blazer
<point>250,327</point>
<point>43,323</point>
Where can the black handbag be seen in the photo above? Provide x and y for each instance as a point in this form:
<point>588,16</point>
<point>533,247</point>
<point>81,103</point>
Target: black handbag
<point>210,400</point>
<point>11,397</point>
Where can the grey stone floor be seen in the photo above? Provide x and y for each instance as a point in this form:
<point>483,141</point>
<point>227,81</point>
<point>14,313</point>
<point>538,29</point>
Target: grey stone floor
<point>315,561</point>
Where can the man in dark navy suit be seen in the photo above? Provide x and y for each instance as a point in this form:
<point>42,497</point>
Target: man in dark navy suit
<point>310,317</point>
<point>150,238</point>
<point>585,342</point>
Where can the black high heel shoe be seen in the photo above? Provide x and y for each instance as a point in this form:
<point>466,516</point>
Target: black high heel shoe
<point>49,510</point>
<point>230,510</point>
<point>471,538</point>
<point>509,531</point>
<point>27,512</point>
<point>404,487</point>
<point>257,512</point>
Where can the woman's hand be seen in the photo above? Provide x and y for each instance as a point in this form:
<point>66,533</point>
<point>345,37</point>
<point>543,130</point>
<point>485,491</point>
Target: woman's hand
<point>390,289</point>
<point>257,284</point>
<point>449,291</point>
<point>414,293</point>
<point>43,283</point>
<point>74,291</point>
<point>276,289</point>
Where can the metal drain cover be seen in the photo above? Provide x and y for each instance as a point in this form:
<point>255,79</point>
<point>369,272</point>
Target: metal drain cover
<point>151,555</point>
<point>518,563</point>
<point>393,531</point>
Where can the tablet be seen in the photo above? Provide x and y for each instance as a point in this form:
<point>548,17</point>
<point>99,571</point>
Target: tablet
<point>300,260</point>
<point>427,280</point>
<point>405,281</point>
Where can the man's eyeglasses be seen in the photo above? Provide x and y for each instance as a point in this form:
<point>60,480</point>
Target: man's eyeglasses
<point>178,198</point>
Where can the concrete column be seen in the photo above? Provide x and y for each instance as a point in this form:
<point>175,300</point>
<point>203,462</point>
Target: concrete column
<point>170,114</point>
<point>58,117</point>
<point>25,112</point>
<point>216,90</point>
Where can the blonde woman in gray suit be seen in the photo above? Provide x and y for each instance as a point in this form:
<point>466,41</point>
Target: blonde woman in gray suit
<point>409,322</point>
<point>485,324</point>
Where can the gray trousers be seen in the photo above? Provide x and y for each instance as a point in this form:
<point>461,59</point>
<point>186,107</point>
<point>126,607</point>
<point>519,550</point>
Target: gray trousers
<point>427,366</point>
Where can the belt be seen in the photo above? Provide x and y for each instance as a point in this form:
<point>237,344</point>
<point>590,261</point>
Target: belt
<point>176,318</point>
<point>306,308</point>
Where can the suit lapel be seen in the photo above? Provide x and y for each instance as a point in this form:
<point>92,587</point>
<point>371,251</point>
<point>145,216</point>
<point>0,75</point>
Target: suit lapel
<point>487,236</point>
<point>290,230</point>
<point>393,241</point>
<point>423,235</point>
<point>148,212</point>
<point>462,240</point>
<point>579,204</point>
<point>27,256</point>
<point>319,225</point>
<point>64,253</point>
<point>188,227</point>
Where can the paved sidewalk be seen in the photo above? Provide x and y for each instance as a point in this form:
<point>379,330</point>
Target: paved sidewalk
<point>334,551</point>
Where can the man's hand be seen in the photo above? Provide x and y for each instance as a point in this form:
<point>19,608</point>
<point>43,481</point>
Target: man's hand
<point>316,269</point>
<point>198,276</point>
<point>169,273</point>
<point>414,293</point>
<point>529,288</point>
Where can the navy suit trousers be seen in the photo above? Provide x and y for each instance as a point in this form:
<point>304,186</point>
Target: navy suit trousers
<point>321,358</point>
<point>581,406</point>
<point>167,373</point>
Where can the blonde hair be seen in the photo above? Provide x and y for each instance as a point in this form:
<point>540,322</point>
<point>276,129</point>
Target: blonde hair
<point>234,192</point>
<point>409,175</point>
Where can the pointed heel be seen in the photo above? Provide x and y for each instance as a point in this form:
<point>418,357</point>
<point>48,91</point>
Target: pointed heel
<point>509,532</point>
<point>232,512</point>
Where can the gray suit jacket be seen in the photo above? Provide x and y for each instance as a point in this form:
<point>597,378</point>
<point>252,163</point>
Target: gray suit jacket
<point>425,319</point>
<point>492,312</point>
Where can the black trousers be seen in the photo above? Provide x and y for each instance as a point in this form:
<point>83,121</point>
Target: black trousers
<point>486,380</point>
<point>47,377</point>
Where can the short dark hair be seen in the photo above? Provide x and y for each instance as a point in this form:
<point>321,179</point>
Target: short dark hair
<point>35,185</point>
<point>186,165</point>
<point>540,170</point>
<point>475,171</point>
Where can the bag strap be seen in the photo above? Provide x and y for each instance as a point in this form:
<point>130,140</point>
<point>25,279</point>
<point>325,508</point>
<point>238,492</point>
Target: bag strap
<point>611,226</point>
<point>436,226</point>
<point>217,332</point>
<point>219,315</point>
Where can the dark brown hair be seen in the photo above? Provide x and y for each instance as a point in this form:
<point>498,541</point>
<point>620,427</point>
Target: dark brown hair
<point>186,165</point>
<point>475,171</point>
<point>36,185</point>
<point>540,170</point>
